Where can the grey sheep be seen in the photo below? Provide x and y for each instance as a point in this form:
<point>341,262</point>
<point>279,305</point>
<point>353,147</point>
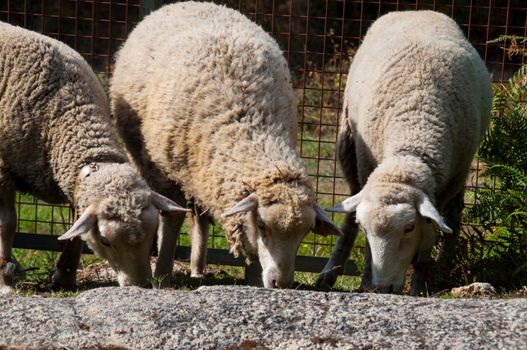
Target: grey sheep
<point>417,103</point>
<point>203,99</point>
<point>58,144</point>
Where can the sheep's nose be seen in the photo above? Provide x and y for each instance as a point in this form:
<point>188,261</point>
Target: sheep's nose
<point>275,280</point>
<point>279,284</point>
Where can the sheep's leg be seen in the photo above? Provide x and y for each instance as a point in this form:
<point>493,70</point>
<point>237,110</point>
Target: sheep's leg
<point>341,252</point>
<point>9,269</point>
<point>199,238</point>
<point>422,268</point>
<point>167,236</point>
<point>448,247</point>
<point>453,214</point>
<point>427,275</point>
<point>366,283</point>
<point>347,158</point>
<point>65,275</point>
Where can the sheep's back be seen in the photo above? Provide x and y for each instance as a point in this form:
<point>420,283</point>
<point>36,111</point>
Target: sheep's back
<point>193,75</point>
<point>55,114</point>
<point>417,85</point>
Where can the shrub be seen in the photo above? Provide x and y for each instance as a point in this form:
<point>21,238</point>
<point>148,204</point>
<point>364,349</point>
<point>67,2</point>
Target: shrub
<point>495,251</point>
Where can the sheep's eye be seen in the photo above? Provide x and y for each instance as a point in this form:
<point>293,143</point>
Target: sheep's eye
<point>104,241</point>
<point>409,228</point>
<point>261,225</point>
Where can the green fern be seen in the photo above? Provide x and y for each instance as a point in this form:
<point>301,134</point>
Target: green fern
<point>496,251</point>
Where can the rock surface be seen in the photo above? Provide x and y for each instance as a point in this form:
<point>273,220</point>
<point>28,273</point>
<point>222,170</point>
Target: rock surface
<point>254,318</point>
<point>476,289</point>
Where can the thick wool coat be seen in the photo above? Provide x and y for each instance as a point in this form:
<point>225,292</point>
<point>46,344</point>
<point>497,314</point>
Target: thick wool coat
<point>54,120</point>
<point>203,99</point>
<point>417,104</point>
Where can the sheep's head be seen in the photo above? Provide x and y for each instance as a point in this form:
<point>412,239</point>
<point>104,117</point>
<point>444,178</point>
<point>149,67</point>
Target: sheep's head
<point>398,222</point>
<point>276,220</point>
<point>119,219</point>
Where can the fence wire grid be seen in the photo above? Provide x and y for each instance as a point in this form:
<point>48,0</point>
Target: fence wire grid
<point>318,38</point>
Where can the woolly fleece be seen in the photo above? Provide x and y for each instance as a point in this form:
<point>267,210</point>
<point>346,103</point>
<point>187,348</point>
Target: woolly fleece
<point>54,120</point>
<point>417,103</point>
<point>55,116</point>
<point>203,99</point>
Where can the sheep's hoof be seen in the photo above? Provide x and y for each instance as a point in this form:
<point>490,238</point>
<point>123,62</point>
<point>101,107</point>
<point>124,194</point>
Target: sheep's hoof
<point>327,280</point>
<point>197,272</point>
<point>161,282</point>
<point>64,280</point>
<point>329,276</point>
<point>10,271</point>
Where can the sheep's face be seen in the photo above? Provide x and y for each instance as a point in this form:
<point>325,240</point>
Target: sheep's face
<point>276,221</point>
<point>126,243</point>
<point>275,238</point>
<point>396,233</point>
<point>120,219</point>
<point>397,220</point>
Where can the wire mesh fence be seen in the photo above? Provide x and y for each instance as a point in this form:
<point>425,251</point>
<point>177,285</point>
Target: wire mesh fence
<point>318,38</point>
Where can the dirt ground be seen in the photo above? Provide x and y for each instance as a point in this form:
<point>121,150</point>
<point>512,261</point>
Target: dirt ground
<point>100,274</point>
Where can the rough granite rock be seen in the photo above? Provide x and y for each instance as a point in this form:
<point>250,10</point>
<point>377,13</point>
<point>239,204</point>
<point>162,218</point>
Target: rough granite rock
<point>476,289</point>
<point>255,318</point>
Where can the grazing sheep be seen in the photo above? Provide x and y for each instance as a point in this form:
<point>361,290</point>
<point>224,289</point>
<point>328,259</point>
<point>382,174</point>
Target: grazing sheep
<point>203,100</point>
<point>417,104</point>
<point>58,144</point>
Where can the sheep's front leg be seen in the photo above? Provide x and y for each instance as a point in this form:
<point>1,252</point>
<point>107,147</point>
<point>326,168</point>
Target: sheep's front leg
<point>167,236</point>
<point>366,283</point>
<point>199,237</point>
<point>9,269</point>
<point>341,253</point>
<point>422,270</point>
<point>65,277</point>
<point>447,256</point>
<point>428,275</point>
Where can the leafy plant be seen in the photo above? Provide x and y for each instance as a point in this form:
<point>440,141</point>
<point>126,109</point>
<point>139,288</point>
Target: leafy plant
<point>496,250</point>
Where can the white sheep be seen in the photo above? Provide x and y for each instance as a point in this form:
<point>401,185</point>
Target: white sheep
<point>58,144</point>
<point>203,99</point>
<point>417,103</point>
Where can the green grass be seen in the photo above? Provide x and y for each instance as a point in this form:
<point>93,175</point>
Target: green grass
<point>307,280</point>
<point>214,275</point>
<point>35,216</point>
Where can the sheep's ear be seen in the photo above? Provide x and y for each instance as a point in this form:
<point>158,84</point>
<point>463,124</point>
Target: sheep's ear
<point>247,204</point>
<point>165,205</point>
<point>428,210</point>
<point>83,224</point>
<point>323,224</point>
<point>349,205</point>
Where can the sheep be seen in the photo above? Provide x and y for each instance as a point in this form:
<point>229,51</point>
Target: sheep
<point>58,144</point>
<point>416,105</point>
<point>203,100</point>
